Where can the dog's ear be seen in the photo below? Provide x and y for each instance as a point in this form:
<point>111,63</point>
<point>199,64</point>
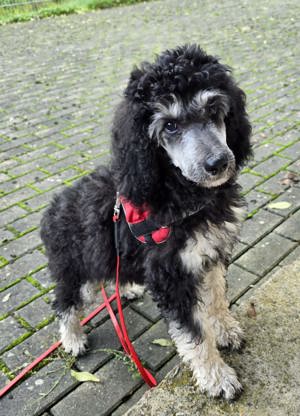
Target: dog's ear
<point>134,154</point>
<point>238,127</point>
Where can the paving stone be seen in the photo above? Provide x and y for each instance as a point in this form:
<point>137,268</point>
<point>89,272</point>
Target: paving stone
<point>3,379</point>
<point>292,195</point>
<point>274,184</point>
<point>294,167</point>
<point>292,151</point>
<point>147,307</point>
<point>291,227</point>
<point>17,196</point>
<point>39,391</point>
<point>28,167</point>
<point>10,330</point>
<point>104,337</point>
<point>138,394</point>
<point>5,236</point>
<point>28,222</point>
<point>12,297</point>
<point>238,249</point>
<point>154,355</point>
<point>43,277</point>
<point>239,280</point>
<point>287,138</point>
<point>294,255</point>
<point>264,151</point>
<point>249,181</point>
<point>36,312</point>
<point>271,165</point>
<point>256,200</point>
<point>41,200</point>
<point>21,267</point>
<point>259,225</point>
<point>30,178</point>
<point>20,245</point>
<point>99,398</point>
<point>265,254</point>
<point>54,180</point>
<point>11,214</point>
<point>25,352</point>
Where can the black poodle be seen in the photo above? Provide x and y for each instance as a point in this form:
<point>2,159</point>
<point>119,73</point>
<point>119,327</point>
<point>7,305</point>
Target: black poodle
<point>180,136</point>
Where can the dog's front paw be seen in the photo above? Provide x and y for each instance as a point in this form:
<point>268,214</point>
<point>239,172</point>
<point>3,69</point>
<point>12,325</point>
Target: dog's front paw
<point>220,381</point>
<point>75,344</point>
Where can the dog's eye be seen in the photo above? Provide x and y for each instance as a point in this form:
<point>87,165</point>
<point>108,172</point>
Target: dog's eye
<point>171,127</point>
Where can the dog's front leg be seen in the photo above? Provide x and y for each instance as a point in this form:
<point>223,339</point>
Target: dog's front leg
<point>213,294</point>
<point>200,352</point>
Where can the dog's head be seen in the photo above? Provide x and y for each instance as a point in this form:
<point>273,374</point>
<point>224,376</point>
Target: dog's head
<point>186,106</point>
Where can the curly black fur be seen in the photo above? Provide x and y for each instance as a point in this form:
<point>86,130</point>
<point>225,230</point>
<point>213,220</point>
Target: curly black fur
<point>77,228</point>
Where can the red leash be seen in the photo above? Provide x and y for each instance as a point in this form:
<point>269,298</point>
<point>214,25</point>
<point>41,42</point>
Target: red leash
<point>120,329</point>
<point>122,332</point>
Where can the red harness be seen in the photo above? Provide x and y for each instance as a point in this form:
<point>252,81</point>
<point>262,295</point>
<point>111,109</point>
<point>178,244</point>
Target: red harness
<point>141,225</point>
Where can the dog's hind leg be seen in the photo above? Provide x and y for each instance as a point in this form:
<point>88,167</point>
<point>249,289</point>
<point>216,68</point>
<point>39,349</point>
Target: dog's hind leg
<point>213,294</point>
<point>73,338</point>
<point>68,305</point>
<point>132,290</point>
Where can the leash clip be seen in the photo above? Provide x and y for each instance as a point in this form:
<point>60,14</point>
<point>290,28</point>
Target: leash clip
<point>117,208</point>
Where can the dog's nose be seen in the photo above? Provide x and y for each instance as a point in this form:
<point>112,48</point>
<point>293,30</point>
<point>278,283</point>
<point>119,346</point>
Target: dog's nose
<point>216,164</point>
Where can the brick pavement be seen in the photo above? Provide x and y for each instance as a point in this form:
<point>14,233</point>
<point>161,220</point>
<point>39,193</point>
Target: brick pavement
<point>61,77</point>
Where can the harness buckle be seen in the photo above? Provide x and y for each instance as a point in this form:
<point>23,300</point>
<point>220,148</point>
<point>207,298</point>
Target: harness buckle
<point>117,208</point>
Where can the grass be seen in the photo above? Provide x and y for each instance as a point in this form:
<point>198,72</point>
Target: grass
<point>28,11</point>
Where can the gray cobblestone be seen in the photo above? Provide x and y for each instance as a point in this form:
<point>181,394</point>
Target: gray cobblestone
<point>39,392</point>
<point>291,227</point>
<point>11,214</point>
<point>36,312</point>
<point>259,225</point>
<point>154,355</point>
<point>272,165</point>
<point>249,181</point>
<point>239,280</point>
<point>20,246</point>
<point>256,200</point>
<point>292,196</point>
<point>266,254</point>
<point>12,297</point>
<point>274,185</point>
<point>100,398</point>
<point>23,354</point>
<point>10,330</point>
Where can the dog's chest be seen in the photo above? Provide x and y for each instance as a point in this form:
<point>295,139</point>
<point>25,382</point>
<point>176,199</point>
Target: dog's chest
<point>207,246</point>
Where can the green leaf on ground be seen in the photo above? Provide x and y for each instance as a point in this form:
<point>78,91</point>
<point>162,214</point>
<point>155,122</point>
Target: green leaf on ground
<point>84,376</point>
<point>163,342</point>
<point>279,205</point>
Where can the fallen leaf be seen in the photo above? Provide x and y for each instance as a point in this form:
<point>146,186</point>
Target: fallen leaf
<point>251,311</point>
<point>289,179</point>
<point>163,342</point>
<point>6,297</point>
<point>280,205</point>
<point>84,376</point>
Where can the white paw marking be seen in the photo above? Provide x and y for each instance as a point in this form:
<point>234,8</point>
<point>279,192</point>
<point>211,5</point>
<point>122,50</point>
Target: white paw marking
<point>219,380</point>
<point>132,291</point>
